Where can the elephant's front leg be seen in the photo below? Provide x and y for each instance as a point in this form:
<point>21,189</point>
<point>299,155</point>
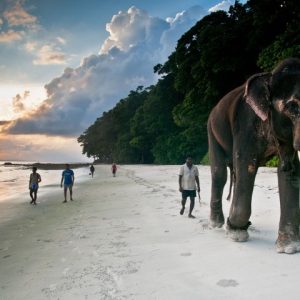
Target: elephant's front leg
<point>240,210</point>
<point>288,240</point>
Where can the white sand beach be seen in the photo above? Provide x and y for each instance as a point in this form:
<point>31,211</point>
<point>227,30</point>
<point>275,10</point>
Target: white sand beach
<point>123,238</point>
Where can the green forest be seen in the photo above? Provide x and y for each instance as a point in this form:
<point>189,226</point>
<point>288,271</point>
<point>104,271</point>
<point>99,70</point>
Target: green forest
<point>165,122</point>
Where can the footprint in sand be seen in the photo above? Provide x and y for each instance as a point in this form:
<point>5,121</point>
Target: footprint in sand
<point>45,241</point>
<point>66,271</point>
<point>227,283</point>
<point>186,254</point>
<point>167,195</point>
<point>204,224</point>
<point>83,237</point>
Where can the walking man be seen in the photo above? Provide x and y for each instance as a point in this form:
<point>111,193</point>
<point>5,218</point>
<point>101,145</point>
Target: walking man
<point>68,179</point>
<point>34,180</point>
<point>114,169</point>
<point>92,170</point>
<point>188,178</point>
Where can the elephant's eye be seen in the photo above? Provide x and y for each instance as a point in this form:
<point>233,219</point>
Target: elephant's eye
<point>292,109</point>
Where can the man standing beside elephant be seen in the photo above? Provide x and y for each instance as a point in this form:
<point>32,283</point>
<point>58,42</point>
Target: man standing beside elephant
<point>188,177</point>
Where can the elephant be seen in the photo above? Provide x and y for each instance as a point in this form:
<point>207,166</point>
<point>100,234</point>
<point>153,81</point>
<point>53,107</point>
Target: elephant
<point>247,127</point>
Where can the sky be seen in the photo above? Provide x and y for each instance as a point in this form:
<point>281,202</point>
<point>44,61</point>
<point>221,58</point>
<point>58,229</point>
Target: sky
<point>64,62</point>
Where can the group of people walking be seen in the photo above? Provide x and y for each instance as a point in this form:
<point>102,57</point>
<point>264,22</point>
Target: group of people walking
<point>188,183</point>
<point>67,181</point>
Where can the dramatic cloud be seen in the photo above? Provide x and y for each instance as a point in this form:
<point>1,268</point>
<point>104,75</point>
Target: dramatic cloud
<point>136,43</point>
<point>128,29</point>
<point>224,5</point>
<point>49,55</point>
<point>11,36</point>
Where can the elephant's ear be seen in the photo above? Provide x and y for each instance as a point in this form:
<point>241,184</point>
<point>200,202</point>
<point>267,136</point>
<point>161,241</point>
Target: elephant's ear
<point>257,94</point>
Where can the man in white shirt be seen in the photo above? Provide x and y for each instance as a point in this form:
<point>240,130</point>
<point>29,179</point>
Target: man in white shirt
<point>188,177</point>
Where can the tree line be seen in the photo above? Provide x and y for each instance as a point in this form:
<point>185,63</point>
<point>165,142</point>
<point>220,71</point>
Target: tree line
<point>165,122</point>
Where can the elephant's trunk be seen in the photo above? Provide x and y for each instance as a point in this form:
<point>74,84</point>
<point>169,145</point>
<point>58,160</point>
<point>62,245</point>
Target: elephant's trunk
<point>296,139</point>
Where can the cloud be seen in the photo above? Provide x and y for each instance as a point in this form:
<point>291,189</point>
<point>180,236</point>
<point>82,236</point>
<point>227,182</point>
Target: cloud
<point>18,16</point>
<point>4,123</point>
<point>30,46</point>
<point>128,29</point>
<point>11,36</point>
<point>136,42</point>
<point>16,22</point>
<point>61,40</point>
<point>18,102</point>
<point>224,5</point>
<point>49,55</point>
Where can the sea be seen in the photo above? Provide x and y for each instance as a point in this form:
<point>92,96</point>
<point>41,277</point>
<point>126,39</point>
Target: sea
<point>14,180</point>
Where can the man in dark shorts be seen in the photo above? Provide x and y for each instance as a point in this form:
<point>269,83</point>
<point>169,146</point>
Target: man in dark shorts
<point>34,180</point>
<point>188,177</point>
<point>92,170</point>
<point>68,179</point>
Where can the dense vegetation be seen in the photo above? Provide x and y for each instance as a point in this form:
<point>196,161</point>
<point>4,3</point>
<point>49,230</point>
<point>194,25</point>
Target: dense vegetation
<point>166,122</point>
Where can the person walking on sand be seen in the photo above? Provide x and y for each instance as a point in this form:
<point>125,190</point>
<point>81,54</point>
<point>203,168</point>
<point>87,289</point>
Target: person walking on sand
<point>34,180</point>
<point>114,169</point>
<point>92,170</point>
<point>68,179</point>
<point>188,177</point>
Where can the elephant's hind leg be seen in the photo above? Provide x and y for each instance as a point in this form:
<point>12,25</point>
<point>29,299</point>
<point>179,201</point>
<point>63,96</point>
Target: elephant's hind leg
<point>219,176</point>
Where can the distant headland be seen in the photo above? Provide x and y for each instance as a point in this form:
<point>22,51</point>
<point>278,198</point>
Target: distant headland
<point>47,166</point>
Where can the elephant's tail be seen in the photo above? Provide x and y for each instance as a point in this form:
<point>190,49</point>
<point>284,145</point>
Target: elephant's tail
<point>231,182</point>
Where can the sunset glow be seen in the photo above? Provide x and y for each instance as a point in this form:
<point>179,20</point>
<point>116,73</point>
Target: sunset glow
<point>10,91</point>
